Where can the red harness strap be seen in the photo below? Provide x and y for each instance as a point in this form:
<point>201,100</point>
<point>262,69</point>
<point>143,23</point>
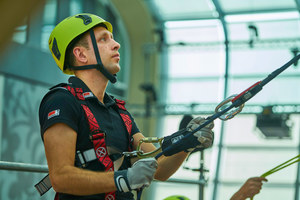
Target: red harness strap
<point>97,137</point>
<point>78,93</point>
<point>126,119</point>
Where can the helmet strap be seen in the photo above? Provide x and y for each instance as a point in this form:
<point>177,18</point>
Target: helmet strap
<point>112,78</point>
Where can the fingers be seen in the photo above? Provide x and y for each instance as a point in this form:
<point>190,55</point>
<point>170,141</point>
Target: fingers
<point>253,185</point>
<point>257,180</point>
<point>205,132</point>
<point>205,136</point>
<point>151,162</point>
<point>194,123</point>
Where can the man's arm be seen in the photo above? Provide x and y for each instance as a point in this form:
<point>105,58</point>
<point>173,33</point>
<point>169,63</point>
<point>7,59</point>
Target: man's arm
<point>60,148</point>
<point>167,166</point>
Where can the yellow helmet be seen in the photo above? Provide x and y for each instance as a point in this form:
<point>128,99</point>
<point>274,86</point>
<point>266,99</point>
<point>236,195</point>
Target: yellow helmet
<point>176,197</point>
<point>67,30</point>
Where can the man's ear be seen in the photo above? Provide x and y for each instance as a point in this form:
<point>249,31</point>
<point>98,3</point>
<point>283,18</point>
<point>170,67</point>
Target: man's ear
<point>80,54</point>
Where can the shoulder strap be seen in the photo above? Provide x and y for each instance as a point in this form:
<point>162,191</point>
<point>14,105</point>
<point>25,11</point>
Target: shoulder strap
<point>96,135</point>
<point>126,119</point>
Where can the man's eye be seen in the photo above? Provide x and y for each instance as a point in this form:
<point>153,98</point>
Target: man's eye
<point>103,39</point>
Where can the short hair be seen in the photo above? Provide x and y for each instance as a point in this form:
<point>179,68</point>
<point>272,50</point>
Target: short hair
<point>80,40</point>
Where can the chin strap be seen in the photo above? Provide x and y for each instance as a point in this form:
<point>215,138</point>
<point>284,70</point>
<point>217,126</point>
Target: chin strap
<point>99,66</point>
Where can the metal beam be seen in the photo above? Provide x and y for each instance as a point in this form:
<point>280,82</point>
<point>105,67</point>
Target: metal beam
<point>63,10</point>
<point>298,5</point>
<point>226,75</point>
<point>154,10</point>
<point>239,12</point>
<point>185,181</point>
<point>25,167</point>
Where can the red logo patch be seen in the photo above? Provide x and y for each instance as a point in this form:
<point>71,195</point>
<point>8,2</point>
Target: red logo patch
<point>53,113</point>
<point>87,94</point>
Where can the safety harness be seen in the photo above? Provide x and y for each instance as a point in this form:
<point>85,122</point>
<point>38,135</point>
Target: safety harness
<point>97,137</point>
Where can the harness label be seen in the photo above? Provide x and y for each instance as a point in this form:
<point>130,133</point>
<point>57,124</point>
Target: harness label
<point>176,139</point>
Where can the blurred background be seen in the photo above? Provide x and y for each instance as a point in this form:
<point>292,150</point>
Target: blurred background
<point>178,58</point>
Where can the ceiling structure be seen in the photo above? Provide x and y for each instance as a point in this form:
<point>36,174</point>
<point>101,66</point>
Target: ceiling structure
<point>171,10</point>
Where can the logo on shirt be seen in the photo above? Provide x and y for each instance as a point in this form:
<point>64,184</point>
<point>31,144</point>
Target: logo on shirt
<point>53,113</point>
<point>87,94</point>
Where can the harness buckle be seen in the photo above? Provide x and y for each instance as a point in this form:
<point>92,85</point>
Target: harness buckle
<point>81,162</point>
<point>97,134</point>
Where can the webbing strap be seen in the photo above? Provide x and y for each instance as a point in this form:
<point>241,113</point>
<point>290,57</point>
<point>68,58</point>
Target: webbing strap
<point>97,137</point>
<point>126,119</point>
<point>127,122</point>
<point>101,151</point>
<point>44,185</point>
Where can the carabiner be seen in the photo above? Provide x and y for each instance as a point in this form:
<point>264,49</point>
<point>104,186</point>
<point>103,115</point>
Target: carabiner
<point>141,154</point>
<point>224,104</point>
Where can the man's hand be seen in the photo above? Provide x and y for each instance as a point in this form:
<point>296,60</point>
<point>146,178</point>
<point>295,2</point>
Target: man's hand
<point>205,135</point>
<point>250,188</point>
<point>138,176</point>
<point>199,140</point>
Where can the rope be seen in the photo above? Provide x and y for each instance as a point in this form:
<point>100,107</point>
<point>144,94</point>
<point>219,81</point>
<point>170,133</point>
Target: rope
<point>281,166</point>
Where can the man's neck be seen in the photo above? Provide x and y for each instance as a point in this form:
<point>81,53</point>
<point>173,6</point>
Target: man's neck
<point>95,81</point>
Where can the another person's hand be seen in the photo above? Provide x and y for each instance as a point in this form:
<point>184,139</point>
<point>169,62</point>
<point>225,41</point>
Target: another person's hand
<point>205,135</point>
<point>250,188</point>
<point>138,176</point>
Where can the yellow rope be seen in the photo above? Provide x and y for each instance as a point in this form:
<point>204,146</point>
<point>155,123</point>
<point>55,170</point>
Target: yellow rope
<point>281,166</point>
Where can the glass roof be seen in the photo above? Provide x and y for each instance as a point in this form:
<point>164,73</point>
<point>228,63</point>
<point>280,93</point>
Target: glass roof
<point>188,9</point>
<point>199,9</point>
<point>168,10</point>
<point>256,5</point>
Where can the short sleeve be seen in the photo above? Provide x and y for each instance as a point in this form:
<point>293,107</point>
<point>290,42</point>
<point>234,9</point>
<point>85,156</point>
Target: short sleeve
<point>135,128</point>
<point>59,106</point>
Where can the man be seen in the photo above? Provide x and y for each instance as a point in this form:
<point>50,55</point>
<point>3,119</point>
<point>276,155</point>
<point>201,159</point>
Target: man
<point>85,130</point>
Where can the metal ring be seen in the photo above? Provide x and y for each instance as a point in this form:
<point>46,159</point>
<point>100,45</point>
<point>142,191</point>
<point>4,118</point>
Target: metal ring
<point>230,114</point>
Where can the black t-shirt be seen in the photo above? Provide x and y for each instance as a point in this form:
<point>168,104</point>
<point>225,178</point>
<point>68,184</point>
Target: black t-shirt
<point>60,106</point>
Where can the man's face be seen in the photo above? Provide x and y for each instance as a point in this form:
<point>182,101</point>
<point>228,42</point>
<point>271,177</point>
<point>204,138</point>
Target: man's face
<point>108,49</point>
